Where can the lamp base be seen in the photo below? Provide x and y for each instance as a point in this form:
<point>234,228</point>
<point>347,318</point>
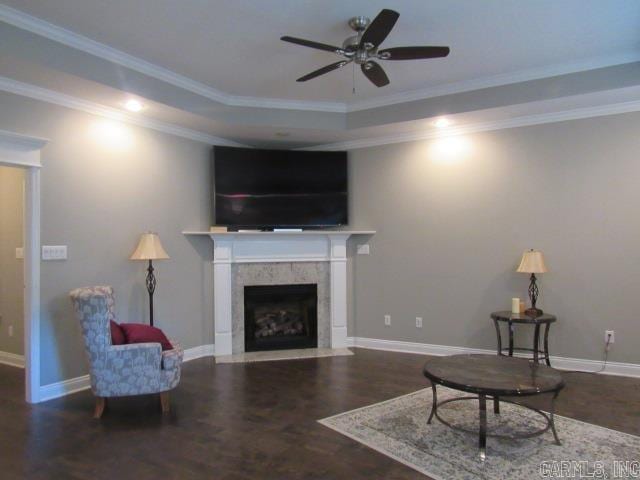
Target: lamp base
<point>533,312</point>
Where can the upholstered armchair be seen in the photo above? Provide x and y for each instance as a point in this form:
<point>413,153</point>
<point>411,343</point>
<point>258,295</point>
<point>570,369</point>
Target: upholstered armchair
<point>121,370</point>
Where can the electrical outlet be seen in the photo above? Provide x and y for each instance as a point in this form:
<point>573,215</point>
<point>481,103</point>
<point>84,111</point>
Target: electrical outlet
<point>363,249</point>
<point>418,322</point>
<point>11,330</point>
<point>387,320</point>
<point>610,336</point>
<point>19,253</point>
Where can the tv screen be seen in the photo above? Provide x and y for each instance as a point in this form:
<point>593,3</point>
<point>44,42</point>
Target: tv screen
<point>279,188</point>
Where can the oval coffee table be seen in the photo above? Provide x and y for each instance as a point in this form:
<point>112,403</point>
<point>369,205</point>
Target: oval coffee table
<point>494,376</point>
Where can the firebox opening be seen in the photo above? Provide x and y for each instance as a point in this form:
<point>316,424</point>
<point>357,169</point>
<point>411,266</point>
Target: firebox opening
<point>280,317</point>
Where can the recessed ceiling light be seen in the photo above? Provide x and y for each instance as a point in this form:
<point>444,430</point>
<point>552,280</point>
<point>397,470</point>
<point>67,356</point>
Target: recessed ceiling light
<point>133,105</point>
<point>442,123</point>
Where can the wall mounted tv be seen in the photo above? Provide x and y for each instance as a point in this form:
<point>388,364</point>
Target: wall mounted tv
<point>279,188</point>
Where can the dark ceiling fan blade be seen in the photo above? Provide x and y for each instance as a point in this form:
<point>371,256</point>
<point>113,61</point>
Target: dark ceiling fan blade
<point>412,53</point>
<point>310,44</point>
<point>323,70</point>
<point>374,72</point>
<point>379,28</point>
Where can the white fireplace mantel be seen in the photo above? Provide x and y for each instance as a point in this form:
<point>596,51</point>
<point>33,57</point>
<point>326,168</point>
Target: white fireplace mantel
<point>272,247</point>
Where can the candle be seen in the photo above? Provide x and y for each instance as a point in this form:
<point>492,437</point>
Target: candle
<point>515,305</point>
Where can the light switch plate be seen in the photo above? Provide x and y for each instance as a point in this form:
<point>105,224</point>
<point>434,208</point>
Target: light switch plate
<point>54,252</point>
<point>19,252</point>
<point>363,249</point>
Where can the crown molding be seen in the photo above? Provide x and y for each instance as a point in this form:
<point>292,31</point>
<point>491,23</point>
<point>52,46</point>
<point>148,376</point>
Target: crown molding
<point>21,142</point>
<point>495,81</point>
<point>521,121</point>
<point>53,32</point>
<point>80,42</point>
<point>38,93</point>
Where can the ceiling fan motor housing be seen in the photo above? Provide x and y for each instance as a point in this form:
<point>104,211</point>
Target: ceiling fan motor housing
<point>359,23</point>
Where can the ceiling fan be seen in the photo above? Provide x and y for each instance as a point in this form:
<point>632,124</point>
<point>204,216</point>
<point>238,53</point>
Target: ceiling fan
<point>362,48</point>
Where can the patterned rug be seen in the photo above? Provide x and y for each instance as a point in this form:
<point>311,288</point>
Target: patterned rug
<point>398,428</point>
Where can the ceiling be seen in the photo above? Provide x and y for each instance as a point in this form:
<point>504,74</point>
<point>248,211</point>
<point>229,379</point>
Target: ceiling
<point>218,67</point>
<point>234,45</point>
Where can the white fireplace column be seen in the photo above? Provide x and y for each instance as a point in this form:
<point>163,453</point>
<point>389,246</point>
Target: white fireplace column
<point>222,282</point>
<point>274,247</point>
<point>338,259</point>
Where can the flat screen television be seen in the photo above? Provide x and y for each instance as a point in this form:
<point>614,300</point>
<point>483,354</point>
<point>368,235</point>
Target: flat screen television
<point>279,188</point>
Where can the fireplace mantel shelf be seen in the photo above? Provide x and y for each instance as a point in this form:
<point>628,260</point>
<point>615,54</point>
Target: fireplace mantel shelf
<point>271,234</point>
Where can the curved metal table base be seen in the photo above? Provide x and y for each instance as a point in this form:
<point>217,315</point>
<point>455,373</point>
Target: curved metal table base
<point>482,432</point>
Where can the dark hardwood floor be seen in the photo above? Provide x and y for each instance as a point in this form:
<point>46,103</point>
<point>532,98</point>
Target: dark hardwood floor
<point>246,421</point>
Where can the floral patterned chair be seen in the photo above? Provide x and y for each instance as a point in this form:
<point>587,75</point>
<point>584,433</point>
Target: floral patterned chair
<point>121,370</point>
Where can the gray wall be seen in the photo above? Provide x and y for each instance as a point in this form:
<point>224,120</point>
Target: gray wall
<point>103,184</point>
<point>11,268</point>
<point>454,216</point>
<point>452,221</point>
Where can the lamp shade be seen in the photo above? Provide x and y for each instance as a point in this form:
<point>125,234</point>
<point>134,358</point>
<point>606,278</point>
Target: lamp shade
<point>532,262</point>
<point>149,248</point>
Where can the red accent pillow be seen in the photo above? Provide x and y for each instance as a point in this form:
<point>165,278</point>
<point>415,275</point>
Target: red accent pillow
<point>141,333</point>
<point>117,334</point>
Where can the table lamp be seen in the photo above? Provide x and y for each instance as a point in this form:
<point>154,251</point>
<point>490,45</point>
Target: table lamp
<point>150,248</point>
<point>532,262</point>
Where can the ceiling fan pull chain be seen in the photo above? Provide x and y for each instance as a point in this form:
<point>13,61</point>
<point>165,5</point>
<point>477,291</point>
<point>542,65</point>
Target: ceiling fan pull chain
<point>354,79</point>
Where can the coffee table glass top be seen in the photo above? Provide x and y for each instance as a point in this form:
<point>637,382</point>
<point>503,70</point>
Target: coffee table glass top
<point>493,375</point>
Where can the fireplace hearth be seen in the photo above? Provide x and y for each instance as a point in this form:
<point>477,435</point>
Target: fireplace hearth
<point>280,317</point>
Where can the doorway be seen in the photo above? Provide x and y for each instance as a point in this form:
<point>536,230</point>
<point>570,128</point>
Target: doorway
<point>12,266</point>
<point>19,151</point>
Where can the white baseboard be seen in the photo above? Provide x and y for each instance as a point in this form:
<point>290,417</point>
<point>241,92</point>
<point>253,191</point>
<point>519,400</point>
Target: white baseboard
<point>65,387</point>
<point>199,352</point>
<point>561,363</point>
<point>12,359</point>
<point>73,385</point>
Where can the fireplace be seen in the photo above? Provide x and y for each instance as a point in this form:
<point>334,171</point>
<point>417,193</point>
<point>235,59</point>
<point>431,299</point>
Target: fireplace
<point>280,317</point>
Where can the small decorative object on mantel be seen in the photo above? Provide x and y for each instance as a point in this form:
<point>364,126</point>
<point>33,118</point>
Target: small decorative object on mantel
<point>532,262</point>
<point>150,248</point>
<point>218,229</point>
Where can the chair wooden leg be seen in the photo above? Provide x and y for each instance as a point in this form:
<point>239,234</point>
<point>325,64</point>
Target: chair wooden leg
<point>164,402</point>
<point>101,402</point>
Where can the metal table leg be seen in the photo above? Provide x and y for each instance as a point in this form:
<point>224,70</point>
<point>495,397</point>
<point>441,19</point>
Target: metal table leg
<point>498,335</point>
<point>482,443</point>
<point>551,418</point>
<point>496,405</point>
<point>546,343</point>
<point>434,405</point>
<point>536,343</point>
<point>510,339</point>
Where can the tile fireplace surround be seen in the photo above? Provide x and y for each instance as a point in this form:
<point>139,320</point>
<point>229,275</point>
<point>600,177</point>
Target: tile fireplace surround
<point>274,258</point>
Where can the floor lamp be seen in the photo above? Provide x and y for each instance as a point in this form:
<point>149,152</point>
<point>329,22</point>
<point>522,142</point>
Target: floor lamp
<point>150,248</point>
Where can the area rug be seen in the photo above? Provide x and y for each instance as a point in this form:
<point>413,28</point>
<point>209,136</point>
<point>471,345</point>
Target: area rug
<point>294,354</point>
<point>398,428</point>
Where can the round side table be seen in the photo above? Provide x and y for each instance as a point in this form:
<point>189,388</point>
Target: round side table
<point>511,319</point>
